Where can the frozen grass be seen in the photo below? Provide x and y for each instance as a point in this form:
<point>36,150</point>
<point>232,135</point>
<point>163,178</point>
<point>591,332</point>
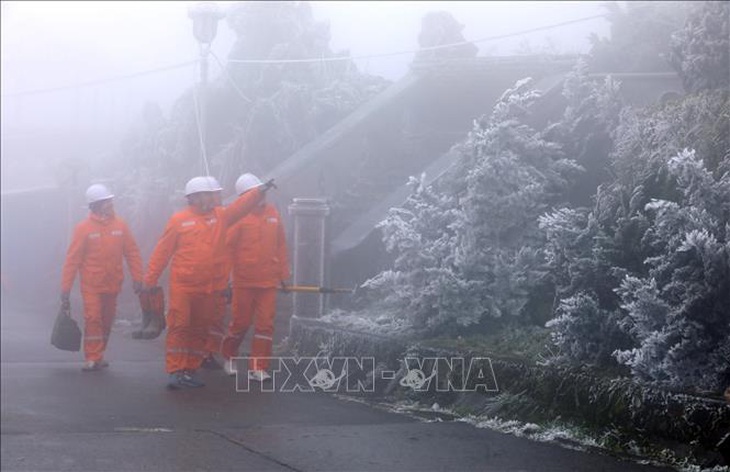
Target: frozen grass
<point>369,322</point>
<point>556,432</point>
<point>528,343</point>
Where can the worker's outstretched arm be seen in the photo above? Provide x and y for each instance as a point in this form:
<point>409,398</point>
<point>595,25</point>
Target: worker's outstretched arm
<point>245,203</point>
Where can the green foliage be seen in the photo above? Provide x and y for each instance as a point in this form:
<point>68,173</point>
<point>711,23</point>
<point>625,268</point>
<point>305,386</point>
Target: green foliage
<point>524,343</point>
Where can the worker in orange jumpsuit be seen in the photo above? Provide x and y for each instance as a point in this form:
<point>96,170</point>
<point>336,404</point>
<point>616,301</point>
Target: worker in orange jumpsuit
<point>216,330</point>
<point>260,265</point>
<point>98,245</point>
<point>194,239</point>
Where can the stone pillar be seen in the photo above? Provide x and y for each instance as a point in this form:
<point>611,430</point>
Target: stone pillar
<point>309,215</point>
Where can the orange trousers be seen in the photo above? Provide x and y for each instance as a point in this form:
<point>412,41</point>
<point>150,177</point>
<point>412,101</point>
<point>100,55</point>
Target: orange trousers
<point>216,328</point>
<point>99,312</point>
<point>188,320</point>
<point>257,306</point>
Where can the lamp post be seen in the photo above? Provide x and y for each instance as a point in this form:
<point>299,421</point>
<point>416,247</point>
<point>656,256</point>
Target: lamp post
<point>205,18</point>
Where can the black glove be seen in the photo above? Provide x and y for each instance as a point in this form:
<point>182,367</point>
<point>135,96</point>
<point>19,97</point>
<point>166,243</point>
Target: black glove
<point>269,183</point>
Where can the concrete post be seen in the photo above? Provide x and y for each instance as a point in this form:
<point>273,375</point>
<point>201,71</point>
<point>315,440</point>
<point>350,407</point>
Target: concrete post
<point>309,215</point>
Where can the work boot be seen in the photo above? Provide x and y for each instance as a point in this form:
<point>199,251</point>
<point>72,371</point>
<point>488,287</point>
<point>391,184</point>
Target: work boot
<point>211,363</point>
<point>174,381</point>
<point>258,375</point>
<point>229,368</point>
<point>90,366</point>
<point>189,379</point>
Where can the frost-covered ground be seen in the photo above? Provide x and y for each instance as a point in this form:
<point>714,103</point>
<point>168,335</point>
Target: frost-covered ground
<point>379,324</point>
<point>562,434</point>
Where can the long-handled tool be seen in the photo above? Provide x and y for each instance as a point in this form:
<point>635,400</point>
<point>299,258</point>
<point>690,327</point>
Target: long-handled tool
<point>228,294</point>
<point>314,289</point>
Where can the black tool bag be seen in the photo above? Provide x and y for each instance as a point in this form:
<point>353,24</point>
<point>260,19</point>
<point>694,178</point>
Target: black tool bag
<point>66,333</point>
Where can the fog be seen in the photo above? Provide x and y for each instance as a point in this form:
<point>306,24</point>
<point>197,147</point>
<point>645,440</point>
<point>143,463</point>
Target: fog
<point>57,57</point>
<point>76,75</point>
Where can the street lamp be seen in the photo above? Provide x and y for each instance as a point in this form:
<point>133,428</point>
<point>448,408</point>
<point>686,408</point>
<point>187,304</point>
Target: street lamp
<point>205,18</point>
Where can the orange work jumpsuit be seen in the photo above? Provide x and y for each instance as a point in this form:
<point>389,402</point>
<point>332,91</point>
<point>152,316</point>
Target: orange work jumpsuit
<point>96,251</point>
<point>216,329</point>
<point>260,263</point>
<point>196,244</point>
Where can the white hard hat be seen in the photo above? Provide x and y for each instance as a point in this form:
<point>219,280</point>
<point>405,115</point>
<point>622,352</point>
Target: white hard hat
<point>214,184</point>
<point>247,182</point>
<point>97,193</point>
<point>201,184</point>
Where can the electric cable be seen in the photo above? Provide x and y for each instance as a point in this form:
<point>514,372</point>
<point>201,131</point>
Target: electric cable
<point>294,61</point>
<point>99,81</point>
<point>413,51</point>
<point>200,130</point>
<point>228,76</point>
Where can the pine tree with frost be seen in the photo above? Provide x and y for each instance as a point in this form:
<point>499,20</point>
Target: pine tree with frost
<point>517,175</point>
<point>421,235</point>
<point>468,248</point>
<point>678,314</point>
<point>700,51</point>
<point>592,252</point>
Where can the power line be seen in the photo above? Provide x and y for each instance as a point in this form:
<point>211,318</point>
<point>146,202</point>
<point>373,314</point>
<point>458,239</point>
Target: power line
<point>228,76</point>
<point>294,61</point>
<point>198,119</point>
<point>99,81</point>
<point>413,51</point>
<point>203,153</point>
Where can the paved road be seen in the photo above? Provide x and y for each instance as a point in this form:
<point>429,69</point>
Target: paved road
<point>55,417</point>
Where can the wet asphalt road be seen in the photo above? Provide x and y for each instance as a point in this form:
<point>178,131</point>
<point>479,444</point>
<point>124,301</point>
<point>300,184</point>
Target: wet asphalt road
<point>57,418</point>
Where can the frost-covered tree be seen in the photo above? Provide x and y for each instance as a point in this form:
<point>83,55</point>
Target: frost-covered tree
<point>257,114</point>
<point>591,251</point>
<point>422,236</point>
<point>440,28</point>
<point>649,238</point>
<point>512,174</point>
<point>467,248</point>
<point>584,131</point>
<point>286,104</point>
<point>640,36</point>
<point>700,51</point>
<point>679,313</point>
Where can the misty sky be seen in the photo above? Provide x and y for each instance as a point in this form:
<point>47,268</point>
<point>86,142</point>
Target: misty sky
<point>54,44</point>
<point>49,44</point>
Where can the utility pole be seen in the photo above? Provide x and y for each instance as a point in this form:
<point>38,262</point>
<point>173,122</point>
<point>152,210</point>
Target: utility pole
<point>205,18</point>
<point>310,253</point>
